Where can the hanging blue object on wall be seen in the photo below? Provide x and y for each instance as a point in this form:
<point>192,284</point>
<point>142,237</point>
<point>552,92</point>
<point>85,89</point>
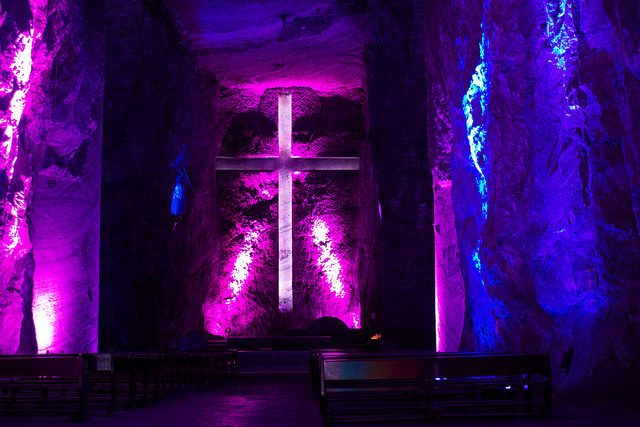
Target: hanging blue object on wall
<point>179,195</point>
<point>178,201</point>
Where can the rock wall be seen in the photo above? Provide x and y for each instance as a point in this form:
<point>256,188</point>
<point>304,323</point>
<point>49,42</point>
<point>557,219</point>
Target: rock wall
<point>16,267</point>
<point>53,59</point>
<point>396,102</point>
<point>541,98</point>
<point>65,128</point>
<point>155,266</point>
<point>442,81</point>
<point>243,300</point>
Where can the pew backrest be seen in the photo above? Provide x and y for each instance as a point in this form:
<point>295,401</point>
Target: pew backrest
<point>338,369</point>
<point>71,365</point>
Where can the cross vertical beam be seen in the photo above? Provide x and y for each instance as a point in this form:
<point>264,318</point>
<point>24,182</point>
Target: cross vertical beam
<point>285,210</point>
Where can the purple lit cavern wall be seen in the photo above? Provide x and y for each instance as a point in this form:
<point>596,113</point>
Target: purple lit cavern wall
<point>247,298</point>
<point>52,122</point>
<point>17,258</point>
<point>244,299</point>
<point>325,277</point>
<point>531,113</point>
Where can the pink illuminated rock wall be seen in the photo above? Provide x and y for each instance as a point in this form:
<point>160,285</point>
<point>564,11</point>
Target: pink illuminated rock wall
<point>244,297</point>
<point>65,128</point>
<point>16,175</point>
<point>450,285</point>
<point>252,49</point>
<point>326,227</point>
<point>325,277</point>
<point>548,242</point>
<point>53,211</point>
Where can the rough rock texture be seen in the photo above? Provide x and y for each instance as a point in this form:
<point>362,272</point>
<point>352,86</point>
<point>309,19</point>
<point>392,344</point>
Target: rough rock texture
<point>248,263</point>
<point>154,266</point>
<point>325,215</point>
<point>450,284</point>
<point>154,275</point>
<point>398,136</point>
<point>255,46</point>
<point>325,278</point>
<point>65,130</point>
<point>55,186</point>
<point>244,298</point>
<point>16,174</point>
<point>448,29</point>
<point>544,173</point>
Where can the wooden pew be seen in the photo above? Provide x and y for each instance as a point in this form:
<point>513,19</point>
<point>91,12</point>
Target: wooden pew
<point>414,385</point>
<point>73,384</point>
<point>374,386</point>
<point>221,364</point>
<point>139,379</point>
<point>316,354</point>
<point>514,384</point>
<point>129,380</point>
<point>319,355</point>
<point>45,385</point>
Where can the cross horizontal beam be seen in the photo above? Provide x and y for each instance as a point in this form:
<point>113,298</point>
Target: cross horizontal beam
<point>291,163</point>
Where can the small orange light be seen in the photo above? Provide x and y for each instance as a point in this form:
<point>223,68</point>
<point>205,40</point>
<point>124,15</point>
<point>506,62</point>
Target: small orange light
<point>376,337</point>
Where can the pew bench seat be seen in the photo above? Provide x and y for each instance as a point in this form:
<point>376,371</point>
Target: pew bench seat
<point>44,385</point>
<point>75,384</point>
<point>387,386</point>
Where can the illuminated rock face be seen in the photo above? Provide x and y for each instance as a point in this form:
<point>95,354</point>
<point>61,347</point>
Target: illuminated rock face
<point>66,133</point>
<point>244,298</point>
<point>325,278</point>
<point>154,276</point>
<point>16,257</point>
<point>254,46</point>
<point>51,168</point>
<point>551,262</point>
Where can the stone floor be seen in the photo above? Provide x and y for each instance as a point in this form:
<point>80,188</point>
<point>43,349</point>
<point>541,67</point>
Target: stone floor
<point>285,400</point>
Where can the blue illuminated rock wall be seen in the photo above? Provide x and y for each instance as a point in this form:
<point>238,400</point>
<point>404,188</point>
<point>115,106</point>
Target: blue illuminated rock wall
<point>554,264</point>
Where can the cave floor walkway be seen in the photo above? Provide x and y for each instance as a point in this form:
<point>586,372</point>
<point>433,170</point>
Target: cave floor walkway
<point>285,400</point>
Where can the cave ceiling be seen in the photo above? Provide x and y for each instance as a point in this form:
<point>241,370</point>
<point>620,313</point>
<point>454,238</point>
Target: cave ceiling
<point>256,45</point>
